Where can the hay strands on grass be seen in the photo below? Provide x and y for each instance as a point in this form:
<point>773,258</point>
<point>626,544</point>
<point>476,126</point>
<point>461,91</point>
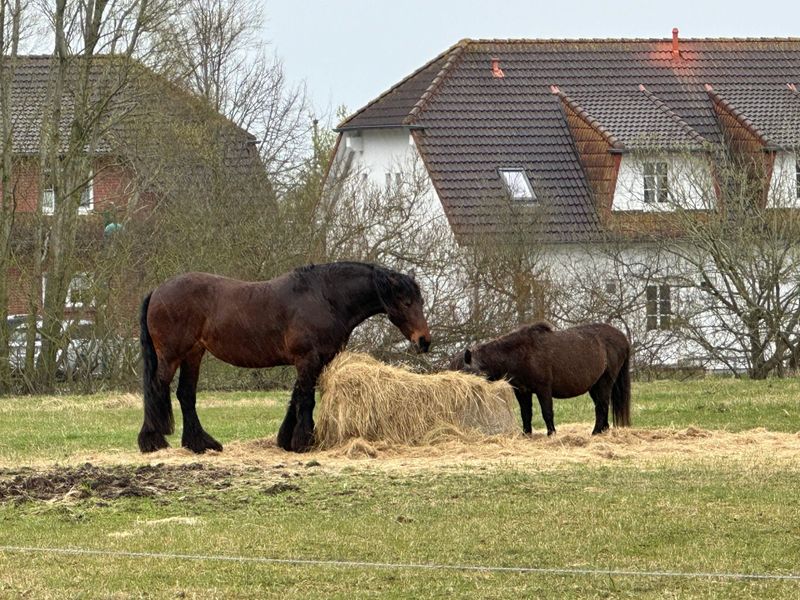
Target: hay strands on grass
<point>364,398</point>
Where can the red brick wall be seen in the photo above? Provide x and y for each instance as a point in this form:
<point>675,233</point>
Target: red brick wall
<point>111,187</point>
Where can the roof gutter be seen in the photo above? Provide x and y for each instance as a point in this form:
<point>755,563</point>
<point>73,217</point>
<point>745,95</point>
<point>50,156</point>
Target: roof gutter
<point>358,128</point>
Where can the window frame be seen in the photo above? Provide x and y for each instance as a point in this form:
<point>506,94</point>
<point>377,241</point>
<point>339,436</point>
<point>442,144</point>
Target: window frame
<point>657,192</point>
<point>49,206</point>
<point>505,172</point>
<point>658,307</point>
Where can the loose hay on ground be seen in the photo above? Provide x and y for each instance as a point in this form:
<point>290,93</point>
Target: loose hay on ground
<point>365,398</point>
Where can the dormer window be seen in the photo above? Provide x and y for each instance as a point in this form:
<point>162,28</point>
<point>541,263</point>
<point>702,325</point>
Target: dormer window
<point>517,185</point>
<point>656,182</point>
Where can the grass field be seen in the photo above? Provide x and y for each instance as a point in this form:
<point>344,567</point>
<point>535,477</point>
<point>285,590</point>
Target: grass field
<point>708,481</point>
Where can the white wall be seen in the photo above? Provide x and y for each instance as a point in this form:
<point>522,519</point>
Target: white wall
<point>375,152</point>
<point>783,185</point>
<point>689,181</point>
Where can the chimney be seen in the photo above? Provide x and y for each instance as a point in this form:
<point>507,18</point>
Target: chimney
<point>676,53</point>
<point>496,70</point>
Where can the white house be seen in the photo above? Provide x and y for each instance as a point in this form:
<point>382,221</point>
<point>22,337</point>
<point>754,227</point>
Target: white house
<point>597,141</point>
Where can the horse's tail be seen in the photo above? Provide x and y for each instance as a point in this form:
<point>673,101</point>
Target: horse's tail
<point>158,418</point>
<point>621,395</point>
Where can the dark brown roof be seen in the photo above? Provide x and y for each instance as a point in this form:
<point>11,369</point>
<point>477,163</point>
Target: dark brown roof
<point>636,90</point>
<point>134,92</point>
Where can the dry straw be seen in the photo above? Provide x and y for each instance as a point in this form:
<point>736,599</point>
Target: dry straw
<point>365,398</point>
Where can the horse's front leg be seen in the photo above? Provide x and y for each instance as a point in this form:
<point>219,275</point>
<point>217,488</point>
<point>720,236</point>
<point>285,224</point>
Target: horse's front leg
<point>546,404</point>
<point>297,430</point>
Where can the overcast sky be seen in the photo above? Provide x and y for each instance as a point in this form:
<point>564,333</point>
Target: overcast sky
<point>350,51</point>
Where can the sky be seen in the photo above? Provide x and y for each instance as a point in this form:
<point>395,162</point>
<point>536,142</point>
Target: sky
<point>350,51</point>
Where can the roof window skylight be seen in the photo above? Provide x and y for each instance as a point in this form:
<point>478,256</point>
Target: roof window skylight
<point>517,184</point>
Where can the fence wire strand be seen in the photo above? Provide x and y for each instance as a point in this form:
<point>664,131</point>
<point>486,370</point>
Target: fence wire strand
<point>355,564</point>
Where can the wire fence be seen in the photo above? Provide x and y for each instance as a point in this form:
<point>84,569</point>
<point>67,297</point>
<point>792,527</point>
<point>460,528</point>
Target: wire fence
<point>356,564</point>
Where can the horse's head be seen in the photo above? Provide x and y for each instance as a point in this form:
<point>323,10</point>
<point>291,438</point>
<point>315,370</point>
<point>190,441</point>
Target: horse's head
<point>401,298</point>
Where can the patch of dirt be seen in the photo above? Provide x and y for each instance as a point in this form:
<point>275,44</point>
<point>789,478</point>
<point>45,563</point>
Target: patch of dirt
<point>108,482</point>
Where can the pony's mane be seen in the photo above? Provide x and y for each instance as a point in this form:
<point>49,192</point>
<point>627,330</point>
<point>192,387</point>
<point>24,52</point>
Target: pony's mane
<point>314,269</point>
<point>538,327</point>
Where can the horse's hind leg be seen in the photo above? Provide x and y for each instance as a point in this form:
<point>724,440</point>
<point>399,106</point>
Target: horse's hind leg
<point>194,436</point>
<point>601,396</point>
<point>158,419</point>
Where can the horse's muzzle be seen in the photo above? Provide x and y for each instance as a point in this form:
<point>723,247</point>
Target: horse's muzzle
<point>423,344</point>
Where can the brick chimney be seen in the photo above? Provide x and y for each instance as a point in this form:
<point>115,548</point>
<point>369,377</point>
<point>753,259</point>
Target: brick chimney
<point>676,52</point>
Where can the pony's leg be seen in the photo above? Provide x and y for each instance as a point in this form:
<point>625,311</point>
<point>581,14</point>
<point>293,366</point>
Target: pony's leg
<point>525,399</point>
<point>601,396</point>
<point>158,419</point>
<point>546,404</point>
<point>194,436</point>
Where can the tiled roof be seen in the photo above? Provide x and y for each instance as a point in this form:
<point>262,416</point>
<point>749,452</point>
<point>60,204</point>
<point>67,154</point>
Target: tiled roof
<point>637,90</point>
<point>772,112</point>
<point>132,90</point>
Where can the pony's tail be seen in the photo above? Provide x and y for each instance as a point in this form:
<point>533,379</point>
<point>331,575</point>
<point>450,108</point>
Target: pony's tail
<point>621,395</point>
<point>158,418</point>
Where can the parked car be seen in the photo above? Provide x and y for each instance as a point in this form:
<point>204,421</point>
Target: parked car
<point>84,354</point>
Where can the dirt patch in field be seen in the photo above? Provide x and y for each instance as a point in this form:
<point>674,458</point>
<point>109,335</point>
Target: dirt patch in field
<point>108,482</point>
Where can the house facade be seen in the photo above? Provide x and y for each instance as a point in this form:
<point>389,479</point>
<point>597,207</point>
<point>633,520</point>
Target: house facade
<point>596,145</point>
<point>121,180</point>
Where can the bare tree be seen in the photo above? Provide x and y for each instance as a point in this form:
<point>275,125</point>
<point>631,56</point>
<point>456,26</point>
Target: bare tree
<point>84,84</point>
<point>213,48</point>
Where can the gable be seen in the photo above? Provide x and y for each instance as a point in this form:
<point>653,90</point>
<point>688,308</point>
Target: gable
<point>472,123</point>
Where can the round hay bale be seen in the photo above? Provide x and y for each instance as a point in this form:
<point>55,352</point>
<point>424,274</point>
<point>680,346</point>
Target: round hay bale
<point>364,398</point>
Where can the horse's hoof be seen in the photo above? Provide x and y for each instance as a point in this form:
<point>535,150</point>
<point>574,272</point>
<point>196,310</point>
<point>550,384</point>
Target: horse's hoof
<point>551,432</point>
<point>200,443</point>
<point>302,441</point>
<point>152,441</point>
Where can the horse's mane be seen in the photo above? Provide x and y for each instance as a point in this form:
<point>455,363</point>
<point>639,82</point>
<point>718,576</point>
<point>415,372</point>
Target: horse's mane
<point>405,282</point>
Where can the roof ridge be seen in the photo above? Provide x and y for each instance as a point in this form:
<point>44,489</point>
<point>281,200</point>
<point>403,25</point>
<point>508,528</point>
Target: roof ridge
<point>401,82</point>
<point>625,40</point>
<point>584,114</point>
<point>739,116</point>
<point>662,106</point>
<point>437,81</point>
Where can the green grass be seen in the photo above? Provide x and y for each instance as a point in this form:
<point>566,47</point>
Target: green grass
<point>677,514</point>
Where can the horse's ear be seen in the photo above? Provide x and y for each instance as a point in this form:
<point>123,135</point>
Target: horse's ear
<point>413,274</point>
<point>467,357</point>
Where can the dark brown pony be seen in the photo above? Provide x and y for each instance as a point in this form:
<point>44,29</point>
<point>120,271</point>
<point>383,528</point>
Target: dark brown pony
<point>536,359</point>
<point>303,318</point>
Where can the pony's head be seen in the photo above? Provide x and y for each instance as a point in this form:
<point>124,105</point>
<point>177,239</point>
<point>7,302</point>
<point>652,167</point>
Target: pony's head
<point>470,360</point>
<point>401,298</point>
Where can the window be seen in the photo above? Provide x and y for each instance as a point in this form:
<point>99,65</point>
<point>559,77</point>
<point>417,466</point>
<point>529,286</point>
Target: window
<point>84,208</point>
<point>656,187</point>
<point>517,184</point>
<point>79,292</point>
<point>393,181</point>
<point>659,307</point>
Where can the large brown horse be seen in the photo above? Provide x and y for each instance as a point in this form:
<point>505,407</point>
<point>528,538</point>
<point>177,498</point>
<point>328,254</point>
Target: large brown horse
<point>539,360</point>
<point>302,318</point>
